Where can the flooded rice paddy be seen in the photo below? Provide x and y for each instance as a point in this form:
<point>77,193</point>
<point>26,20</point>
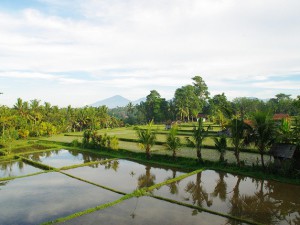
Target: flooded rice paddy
<point>148,211</point>
<point>61,158</point>
<point>14,168</point>
<point>207,197</point>
<point>124,175</point>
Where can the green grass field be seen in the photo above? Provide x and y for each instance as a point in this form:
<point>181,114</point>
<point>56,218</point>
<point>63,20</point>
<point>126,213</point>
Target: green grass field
<point>129,142</point>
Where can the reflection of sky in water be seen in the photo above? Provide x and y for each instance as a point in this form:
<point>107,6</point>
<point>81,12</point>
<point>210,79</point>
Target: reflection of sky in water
<point>63,158</point>
<point>123,175</point>
<point>44,197</point>
<point>258,200</point>
<point>146,211</point>
<point>16,168</point>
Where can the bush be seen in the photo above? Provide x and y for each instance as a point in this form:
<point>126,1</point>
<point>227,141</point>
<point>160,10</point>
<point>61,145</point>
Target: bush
<point>23,133</point>
<point>114,143</point>
<point>75,143</point>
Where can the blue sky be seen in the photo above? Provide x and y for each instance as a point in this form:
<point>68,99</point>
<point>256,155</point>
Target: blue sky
<point>78,52</point>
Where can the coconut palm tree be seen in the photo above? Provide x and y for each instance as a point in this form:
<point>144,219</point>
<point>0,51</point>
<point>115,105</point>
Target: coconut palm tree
<point>198,136</point>
<point>146,138</point>
<point>221,145</point>
<point>173,142</point>
<point>263,134</point>
<point>239,136</point>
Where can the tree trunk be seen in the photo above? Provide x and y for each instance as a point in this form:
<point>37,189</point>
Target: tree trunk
<point>148,152</point>
<point>199,155</point>
<point>174,154</point>
<point>237,156</point>
<point>221,157</point>
<point>262,160</point>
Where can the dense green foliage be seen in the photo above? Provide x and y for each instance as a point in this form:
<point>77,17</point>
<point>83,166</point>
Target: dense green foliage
<point>243,120</point>
<point>33,120</point>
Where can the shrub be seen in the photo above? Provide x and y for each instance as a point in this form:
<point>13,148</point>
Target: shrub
<point>75,143</point>
<point>23,133</point>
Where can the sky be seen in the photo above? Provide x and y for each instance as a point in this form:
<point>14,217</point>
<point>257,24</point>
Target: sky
<point>75,52</point>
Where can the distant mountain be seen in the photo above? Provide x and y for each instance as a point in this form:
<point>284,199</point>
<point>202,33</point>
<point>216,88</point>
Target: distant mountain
<point>136,102</point>
<point>116,101</point>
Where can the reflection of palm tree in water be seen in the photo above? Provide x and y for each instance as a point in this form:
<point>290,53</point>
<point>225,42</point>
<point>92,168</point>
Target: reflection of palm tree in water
<point>8,167</point>
<point>147,179</point>
<point>221,187</point>
<point>173,187</point>
<point>114,164</point>
<point>258,207</point>
<point>198,193</point>
<point>236,203</point>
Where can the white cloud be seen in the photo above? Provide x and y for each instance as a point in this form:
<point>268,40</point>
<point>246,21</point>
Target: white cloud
<point>137,43</point>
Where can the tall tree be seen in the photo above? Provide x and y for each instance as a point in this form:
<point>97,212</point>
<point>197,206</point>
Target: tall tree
<point>201,88</point>
<point>153,106</point>
<point>187,102</point>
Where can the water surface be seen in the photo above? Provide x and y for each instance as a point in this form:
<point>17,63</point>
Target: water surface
<point>61,158</point>
<point>263,201</point>
<point>148,211</point>
<point>16,168</point>
<point>124,175</point>
<point>45,197</point>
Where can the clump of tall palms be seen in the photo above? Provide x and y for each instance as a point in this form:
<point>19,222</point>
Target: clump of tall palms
<point>146,138</point>
<point>172,141</point>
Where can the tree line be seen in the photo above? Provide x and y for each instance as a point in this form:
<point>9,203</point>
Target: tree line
<point>190,100</point>
<point>33,119</point>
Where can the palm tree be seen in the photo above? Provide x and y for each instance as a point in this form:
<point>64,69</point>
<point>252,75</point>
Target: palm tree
<point>239,136</point>
<point>263,135</point>
<point>146,138</point>
<point>199,134</point>
<point>173,142</point>
<point>221,145</point>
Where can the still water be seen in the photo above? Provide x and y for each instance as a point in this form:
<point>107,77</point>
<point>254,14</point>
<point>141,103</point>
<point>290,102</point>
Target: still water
<point>124,175</point>
<point>16,168</point>
<point>148,211</point>
<point>263,201</point>
<point>45,197</point>
<point>61,158</point>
